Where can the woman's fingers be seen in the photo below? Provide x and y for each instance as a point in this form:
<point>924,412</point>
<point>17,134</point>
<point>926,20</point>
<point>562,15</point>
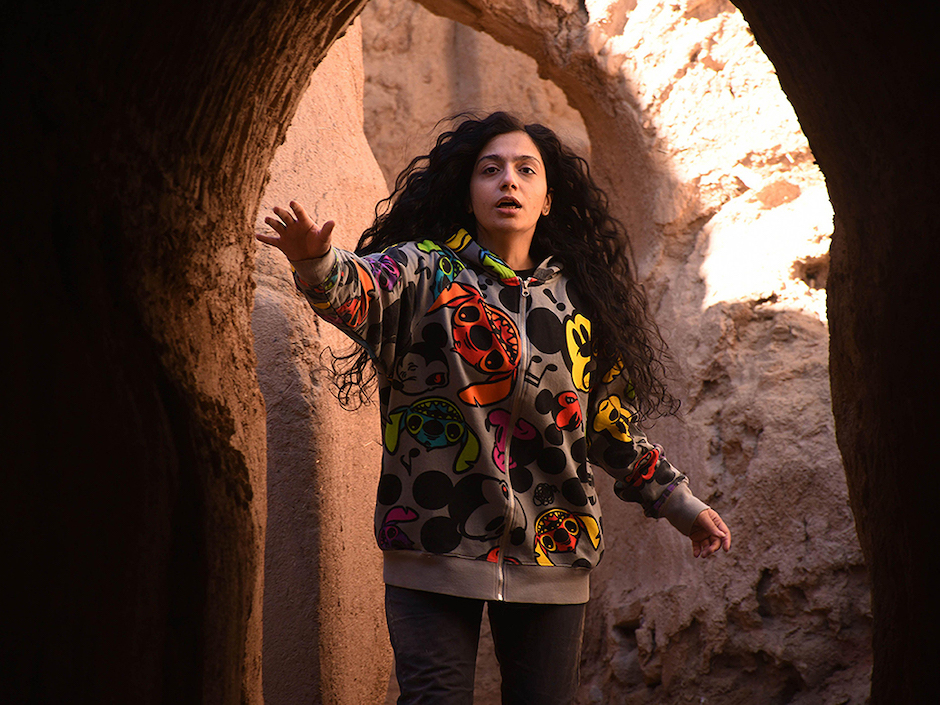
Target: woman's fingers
<point>284,215</point>
<point>710,533</point>
<point>276,225</point>
<point>298,210</point>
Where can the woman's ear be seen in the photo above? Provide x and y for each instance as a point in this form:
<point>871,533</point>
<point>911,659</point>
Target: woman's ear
<point>547,208</point>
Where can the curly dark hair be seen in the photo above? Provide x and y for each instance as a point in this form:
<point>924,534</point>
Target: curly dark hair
<point>430,200</point>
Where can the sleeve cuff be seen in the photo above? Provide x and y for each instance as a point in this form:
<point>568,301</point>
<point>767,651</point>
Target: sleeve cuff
<point>313,272</point>
<point>682,507</point>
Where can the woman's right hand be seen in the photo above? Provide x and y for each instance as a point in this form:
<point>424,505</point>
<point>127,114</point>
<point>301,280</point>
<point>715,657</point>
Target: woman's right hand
<point>298,237</point>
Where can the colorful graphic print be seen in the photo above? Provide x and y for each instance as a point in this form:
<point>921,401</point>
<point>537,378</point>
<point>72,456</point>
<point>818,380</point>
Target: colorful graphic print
<point>493,557</point>
<point>578,350</point>
<point>559,531</point>
<point>565,409</point>
<point>498,422</point>
<point>613,418</point>
<point>354,310</point>
<point>644,468</point>
<point>390,535</point>
<point>385,270</point>
<point>447,269</point>
<point>485,338</point>
<point>434,423</point>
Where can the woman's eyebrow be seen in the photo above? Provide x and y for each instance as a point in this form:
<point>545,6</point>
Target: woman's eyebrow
<point>501,158</point>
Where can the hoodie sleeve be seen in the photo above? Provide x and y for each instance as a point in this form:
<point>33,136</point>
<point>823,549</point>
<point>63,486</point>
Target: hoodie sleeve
<point>641,470</point>
<point>371,299</point>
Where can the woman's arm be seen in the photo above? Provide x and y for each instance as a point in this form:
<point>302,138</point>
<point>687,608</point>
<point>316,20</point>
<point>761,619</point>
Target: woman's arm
<point>642,472</point>
<point>371,298</point>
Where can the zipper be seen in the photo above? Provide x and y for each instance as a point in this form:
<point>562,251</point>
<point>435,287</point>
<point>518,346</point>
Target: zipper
<point>507,457</point>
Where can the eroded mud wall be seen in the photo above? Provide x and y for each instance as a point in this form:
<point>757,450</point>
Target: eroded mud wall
<point>862,80</point>
<point>135,517</point>
<point>324,622</point>
<point>422,68</point>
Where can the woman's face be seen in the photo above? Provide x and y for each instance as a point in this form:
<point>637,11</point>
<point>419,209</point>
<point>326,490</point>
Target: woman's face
<point>508,190</point>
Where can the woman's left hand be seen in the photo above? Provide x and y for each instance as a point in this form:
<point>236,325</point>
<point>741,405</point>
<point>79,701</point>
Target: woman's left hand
<point>709,533</point>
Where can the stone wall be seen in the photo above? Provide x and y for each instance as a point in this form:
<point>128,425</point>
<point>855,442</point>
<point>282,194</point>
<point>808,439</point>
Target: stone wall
<point>421,69</point>
<point>324,622</point>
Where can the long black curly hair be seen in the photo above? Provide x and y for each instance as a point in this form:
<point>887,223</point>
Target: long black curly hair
<point>430,200</point>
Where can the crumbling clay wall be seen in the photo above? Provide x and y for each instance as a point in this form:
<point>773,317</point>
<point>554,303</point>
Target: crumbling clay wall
<point>421,68</point>
<point>732,228</point>
<point>324,623</point>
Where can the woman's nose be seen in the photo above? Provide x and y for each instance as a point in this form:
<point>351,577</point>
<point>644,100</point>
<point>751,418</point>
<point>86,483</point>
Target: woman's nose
<point>509,179</point>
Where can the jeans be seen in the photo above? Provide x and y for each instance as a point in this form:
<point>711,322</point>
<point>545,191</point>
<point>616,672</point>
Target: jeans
<point>435,639</point>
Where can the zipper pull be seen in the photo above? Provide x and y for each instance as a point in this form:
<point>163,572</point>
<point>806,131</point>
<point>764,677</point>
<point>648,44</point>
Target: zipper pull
<point>525,288</point>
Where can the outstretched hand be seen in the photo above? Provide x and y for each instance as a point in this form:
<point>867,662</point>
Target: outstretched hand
<point>709,533</point>
<point>298,237</point>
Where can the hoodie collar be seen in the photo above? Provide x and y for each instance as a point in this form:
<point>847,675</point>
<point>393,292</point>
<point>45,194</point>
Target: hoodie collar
<point>470,251</point>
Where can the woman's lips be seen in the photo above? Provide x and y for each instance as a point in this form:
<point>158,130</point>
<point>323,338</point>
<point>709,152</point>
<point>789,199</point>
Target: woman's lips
<point>508,205</point>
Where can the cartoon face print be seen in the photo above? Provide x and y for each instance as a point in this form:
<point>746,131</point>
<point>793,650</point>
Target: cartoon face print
<point>613,418</point>
<point>479,507</point>
<point>644,468</point>
<point>498,421</point>
<point>578,350</point>
<point>434,423</point>
<point>559,531</point>
<point>354,311</point>
<point>447,269</point>
<point>564,407</point>
<point>391,536</point>
<point>385,270</point>
<point>486,339</point>
<point>423,367</point>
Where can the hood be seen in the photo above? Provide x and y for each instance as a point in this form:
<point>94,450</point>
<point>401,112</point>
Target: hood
<point>478,258</point>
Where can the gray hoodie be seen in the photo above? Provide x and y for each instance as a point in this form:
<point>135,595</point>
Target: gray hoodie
<point>493,421</point>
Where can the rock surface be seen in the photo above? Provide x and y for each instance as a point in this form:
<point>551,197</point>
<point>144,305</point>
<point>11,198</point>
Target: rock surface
<point>324,622</point>
<point>421,68</point>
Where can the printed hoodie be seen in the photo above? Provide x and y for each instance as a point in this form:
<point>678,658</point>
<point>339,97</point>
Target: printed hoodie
<point>493,421</point>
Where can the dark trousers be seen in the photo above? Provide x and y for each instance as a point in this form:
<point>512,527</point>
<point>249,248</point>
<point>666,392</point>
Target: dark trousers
<point>435,641</point>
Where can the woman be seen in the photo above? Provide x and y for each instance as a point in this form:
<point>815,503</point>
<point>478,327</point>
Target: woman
<point>514,354</point>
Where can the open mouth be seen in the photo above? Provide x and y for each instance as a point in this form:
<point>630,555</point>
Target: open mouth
<point>508,202</point>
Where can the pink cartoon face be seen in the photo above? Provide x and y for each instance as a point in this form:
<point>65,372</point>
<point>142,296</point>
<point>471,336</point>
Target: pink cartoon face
<point>498,421</point>
<point>393,537</point>
<point>385,270</point>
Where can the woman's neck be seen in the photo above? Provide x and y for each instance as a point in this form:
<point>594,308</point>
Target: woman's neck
<point>513,250</point>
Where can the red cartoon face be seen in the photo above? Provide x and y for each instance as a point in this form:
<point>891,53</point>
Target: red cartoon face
<point>486,339</point>
<point>569,411</point>
<point>557,531</point>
